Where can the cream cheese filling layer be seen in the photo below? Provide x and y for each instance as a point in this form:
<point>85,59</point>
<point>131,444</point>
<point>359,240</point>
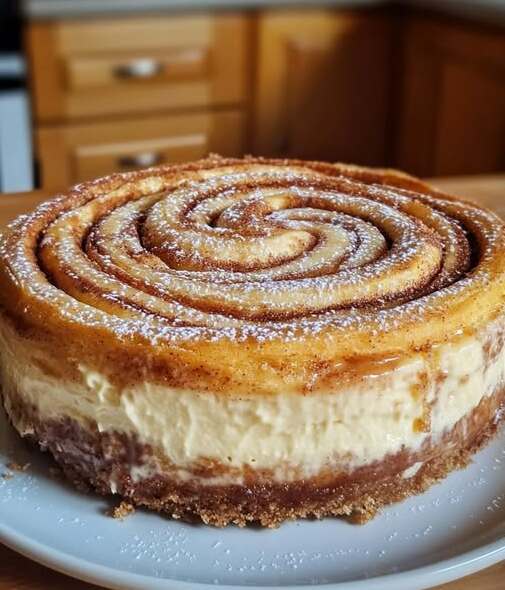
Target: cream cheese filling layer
<point>293,435</point>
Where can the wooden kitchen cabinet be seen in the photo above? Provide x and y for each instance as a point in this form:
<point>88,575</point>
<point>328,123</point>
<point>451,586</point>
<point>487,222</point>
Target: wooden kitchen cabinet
<point>73,153</point>
<point>452,109</point>
<point>114,94</point>
<point>101,67</point>
<point>376,86</point>
<point>323,85</point>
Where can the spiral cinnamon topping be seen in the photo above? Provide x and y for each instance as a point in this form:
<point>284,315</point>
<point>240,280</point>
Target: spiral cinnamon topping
<point>254,288</point>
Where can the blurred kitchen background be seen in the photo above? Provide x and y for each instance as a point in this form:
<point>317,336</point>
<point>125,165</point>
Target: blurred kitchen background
<point>89,87</point>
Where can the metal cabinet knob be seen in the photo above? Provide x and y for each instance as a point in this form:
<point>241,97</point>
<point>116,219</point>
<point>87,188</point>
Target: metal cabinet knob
<point>143,160</point>
<point>139,68</point>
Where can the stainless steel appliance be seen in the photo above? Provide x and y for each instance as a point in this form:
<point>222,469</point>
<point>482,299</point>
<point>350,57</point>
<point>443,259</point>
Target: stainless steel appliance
<point>16,156</point>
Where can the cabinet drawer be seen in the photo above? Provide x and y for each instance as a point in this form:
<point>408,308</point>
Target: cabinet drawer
<point>91,161</point>
<point>84,73</point>
<point>73,153</point>
<point>95,68</point>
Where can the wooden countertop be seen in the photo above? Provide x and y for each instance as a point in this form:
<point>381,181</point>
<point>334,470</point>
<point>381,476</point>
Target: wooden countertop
<point>19,573</point>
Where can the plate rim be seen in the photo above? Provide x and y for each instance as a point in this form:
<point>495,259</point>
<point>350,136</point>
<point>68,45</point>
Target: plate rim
<point>426,576</point>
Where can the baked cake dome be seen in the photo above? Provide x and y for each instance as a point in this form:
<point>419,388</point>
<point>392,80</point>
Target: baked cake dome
<point>255,340</point>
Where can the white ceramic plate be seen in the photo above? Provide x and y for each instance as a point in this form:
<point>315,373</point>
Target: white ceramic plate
<point>454,529</point>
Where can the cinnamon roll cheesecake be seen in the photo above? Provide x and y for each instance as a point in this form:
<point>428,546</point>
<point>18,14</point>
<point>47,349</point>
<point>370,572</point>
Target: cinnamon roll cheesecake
<point>255,340</point>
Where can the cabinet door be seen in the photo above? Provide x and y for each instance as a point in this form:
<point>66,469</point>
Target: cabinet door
<point>453,115</point>
<point>323,85</point>
<point>73,153</point>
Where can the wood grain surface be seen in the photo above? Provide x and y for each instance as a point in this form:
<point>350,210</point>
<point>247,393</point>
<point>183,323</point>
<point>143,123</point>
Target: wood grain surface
<point>19,573</point>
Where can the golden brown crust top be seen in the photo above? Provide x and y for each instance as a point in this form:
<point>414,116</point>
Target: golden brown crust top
<point>223,274</point>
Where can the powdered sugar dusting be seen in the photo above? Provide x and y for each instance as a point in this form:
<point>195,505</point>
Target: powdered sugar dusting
<point>253,250</point>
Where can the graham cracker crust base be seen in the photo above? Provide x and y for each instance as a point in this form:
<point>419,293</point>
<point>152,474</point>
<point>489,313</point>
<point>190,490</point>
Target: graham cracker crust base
<point>92,459</point>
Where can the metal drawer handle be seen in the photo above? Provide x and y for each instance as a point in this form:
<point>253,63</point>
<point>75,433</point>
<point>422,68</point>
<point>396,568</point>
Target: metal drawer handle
<point>143,160</point>
<point>139,68</point>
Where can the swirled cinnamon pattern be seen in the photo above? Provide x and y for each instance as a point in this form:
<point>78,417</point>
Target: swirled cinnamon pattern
<point>280,255</point>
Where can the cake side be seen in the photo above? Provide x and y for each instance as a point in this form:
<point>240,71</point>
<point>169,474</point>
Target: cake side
<point>115,463</point>
<point>316,453</point>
